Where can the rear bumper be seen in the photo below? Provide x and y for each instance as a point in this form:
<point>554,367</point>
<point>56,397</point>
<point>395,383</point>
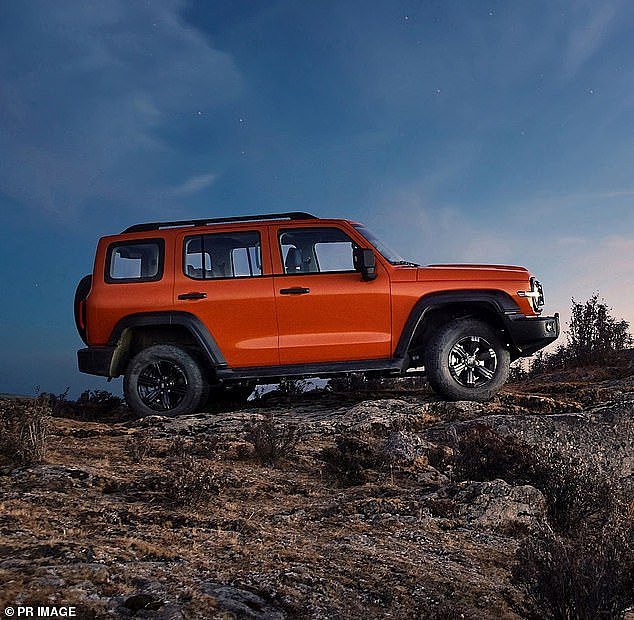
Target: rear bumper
<point>95,360</point>
<point>530,334</point>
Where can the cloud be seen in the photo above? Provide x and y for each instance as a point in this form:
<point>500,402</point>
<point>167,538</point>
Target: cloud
<point>95,98</point>
<point>593,22</point>
<point>194,184</point>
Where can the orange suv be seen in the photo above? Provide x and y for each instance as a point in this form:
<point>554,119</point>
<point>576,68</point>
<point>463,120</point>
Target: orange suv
<point>188,308</point>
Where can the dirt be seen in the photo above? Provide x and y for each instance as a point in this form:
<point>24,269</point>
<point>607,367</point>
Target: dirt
<point>96,525</point>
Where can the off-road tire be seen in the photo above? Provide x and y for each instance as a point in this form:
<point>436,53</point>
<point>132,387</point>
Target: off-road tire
<point>195,386</point>
<point>83,288</point>
<point>437,360</point>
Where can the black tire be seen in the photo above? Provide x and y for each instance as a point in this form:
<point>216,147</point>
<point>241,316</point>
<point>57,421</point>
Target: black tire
<point>477,347</point>
<point>81,292</point>
<point>164,380</point>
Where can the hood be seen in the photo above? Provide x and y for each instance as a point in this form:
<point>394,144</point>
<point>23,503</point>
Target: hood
<point>473,272</point>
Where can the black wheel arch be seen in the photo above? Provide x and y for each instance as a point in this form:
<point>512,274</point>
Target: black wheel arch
<point>137,331</point>
<point>435,309</point>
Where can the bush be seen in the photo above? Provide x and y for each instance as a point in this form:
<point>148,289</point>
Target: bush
<point>574,492</point>
<point>139,446</point>
<point>272,441</point>
<point>24,431</point>
<point>369,382</point>
<point>351,458</point>
<point>594,337</point>
<point>100,399</point>
<point>483,454</point>
<point>291,388</point>
<point>590,575</point>
<point>203,445</point>
<point>90,403</point>
<point>188,482</point>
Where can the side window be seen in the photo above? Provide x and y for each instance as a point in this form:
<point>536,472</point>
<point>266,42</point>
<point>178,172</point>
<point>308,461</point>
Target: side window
<point>137,261</point>
<point>223,255</point>
<point>316,250</point>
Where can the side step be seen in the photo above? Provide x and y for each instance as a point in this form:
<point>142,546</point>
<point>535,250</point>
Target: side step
<point>319,369</point>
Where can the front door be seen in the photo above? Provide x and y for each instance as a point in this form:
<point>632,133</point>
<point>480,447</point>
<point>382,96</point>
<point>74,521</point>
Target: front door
<point>224,279</point>
<point>326,312</point>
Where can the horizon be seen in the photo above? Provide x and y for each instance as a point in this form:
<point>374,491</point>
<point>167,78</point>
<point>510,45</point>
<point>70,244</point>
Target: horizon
<point>457,132</point>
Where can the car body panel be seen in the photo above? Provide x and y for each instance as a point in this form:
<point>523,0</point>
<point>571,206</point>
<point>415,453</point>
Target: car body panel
<point>342,318</point>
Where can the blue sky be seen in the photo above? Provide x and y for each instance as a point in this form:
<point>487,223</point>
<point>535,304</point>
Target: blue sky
<point>459,131</point>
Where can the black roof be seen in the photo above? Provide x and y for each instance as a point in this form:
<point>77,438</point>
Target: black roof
<point>291,215</point>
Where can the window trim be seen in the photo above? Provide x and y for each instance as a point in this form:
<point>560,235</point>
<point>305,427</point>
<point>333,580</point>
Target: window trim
<point>208,234</point>
<point>280,231</point>
<point>159,241</point>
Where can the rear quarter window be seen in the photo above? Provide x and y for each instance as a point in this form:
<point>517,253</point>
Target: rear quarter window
<point>135,261</point>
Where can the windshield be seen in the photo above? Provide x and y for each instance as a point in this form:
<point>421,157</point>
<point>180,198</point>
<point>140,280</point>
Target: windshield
<point>386,252</point>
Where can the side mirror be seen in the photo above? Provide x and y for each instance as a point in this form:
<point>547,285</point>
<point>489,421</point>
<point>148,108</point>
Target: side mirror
<point>365,263</point>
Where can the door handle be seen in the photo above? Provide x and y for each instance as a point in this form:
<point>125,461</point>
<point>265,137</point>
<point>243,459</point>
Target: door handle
<point>193,296</point>
<point>298,290</point>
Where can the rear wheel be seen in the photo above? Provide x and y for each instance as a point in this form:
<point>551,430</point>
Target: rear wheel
<point>164,380</point>
<point>467,359</point>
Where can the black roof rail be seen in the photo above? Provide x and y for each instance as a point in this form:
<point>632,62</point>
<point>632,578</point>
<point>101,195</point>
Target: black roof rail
<point>291,215</point>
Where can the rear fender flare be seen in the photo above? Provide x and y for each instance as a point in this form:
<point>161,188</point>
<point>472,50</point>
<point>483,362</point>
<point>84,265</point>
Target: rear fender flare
<point>208,346</point>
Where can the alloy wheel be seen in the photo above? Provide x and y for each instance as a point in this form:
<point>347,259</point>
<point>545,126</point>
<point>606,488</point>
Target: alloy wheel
<point>472,361</point>
<point>162,385</point>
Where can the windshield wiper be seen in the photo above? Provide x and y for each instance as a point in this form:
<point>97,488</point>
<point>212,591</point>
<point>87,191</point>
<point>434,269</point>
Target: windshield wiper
<point>406,262</point>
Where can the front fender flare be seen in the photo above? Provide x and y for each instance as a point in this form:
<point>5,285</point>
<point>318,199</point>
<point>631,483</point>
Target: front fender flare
<point>498,301</point>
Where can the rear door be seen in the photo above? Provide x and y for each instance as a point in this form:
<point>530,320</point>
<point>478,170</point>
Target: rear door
<point>224,278</point>
<point>326,312</point>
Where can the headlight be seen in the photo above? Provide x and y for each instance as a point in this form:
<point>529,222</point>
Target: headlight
<point>535,294</point>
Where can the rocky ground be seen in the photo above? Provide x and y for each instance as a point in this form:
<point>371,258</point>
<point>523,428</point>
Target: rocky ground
<point>369,515</point>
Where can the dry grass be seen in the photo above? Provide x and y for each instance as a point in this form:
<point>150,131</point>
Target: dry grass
<point>587,575</point>
<point>272,441</point>
<point>356,543</point>
<point>24,430</point>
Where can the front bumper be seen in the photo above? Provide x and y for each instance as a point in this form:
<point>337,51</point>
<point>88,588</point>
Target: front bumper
<point>530,334</point>
<point>96,360</point>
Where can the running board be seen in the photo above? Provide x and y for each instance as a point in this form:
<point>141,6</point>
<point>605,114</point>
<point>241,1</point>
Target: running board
<point>318,369</point>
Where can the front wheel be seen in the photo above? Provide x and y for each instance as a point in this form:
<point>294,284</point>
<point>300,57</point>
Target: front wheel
<point>164,380</point>
<point>467,359</point>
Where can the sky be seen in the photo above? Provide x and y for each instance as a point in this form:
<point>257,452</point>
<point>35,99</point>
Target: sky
<point>496,132</point>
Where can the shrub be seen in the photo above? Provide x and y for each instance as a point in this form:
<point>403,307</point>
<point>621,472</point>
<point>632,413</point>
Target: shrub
<point>272,441</point>
<point>369,382</point>
<point>100,399</point>
<point>483,454</point>
<point>588,576</point>
<point>573,490</point>
<point>202,445</point>
<point>188,482</point>
<point>24,430</point>
<point>351,457</point>
<point>594,336</point>
<point>355,382</point>
<point>139,446</point>
<point>291,388</point>
<point>89,403</point>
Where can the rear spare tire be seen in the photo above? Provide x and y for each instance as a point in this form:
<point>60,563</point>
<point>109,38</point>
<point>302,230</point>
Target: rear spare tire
<point>467,359</point>
<point>81,292</point>
<point>164,380</point>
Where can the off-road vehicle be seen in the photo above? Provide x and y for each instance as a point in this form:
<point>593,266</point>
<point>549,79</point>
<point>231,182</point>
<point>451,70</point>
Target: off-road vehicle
<point>185,308</point>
